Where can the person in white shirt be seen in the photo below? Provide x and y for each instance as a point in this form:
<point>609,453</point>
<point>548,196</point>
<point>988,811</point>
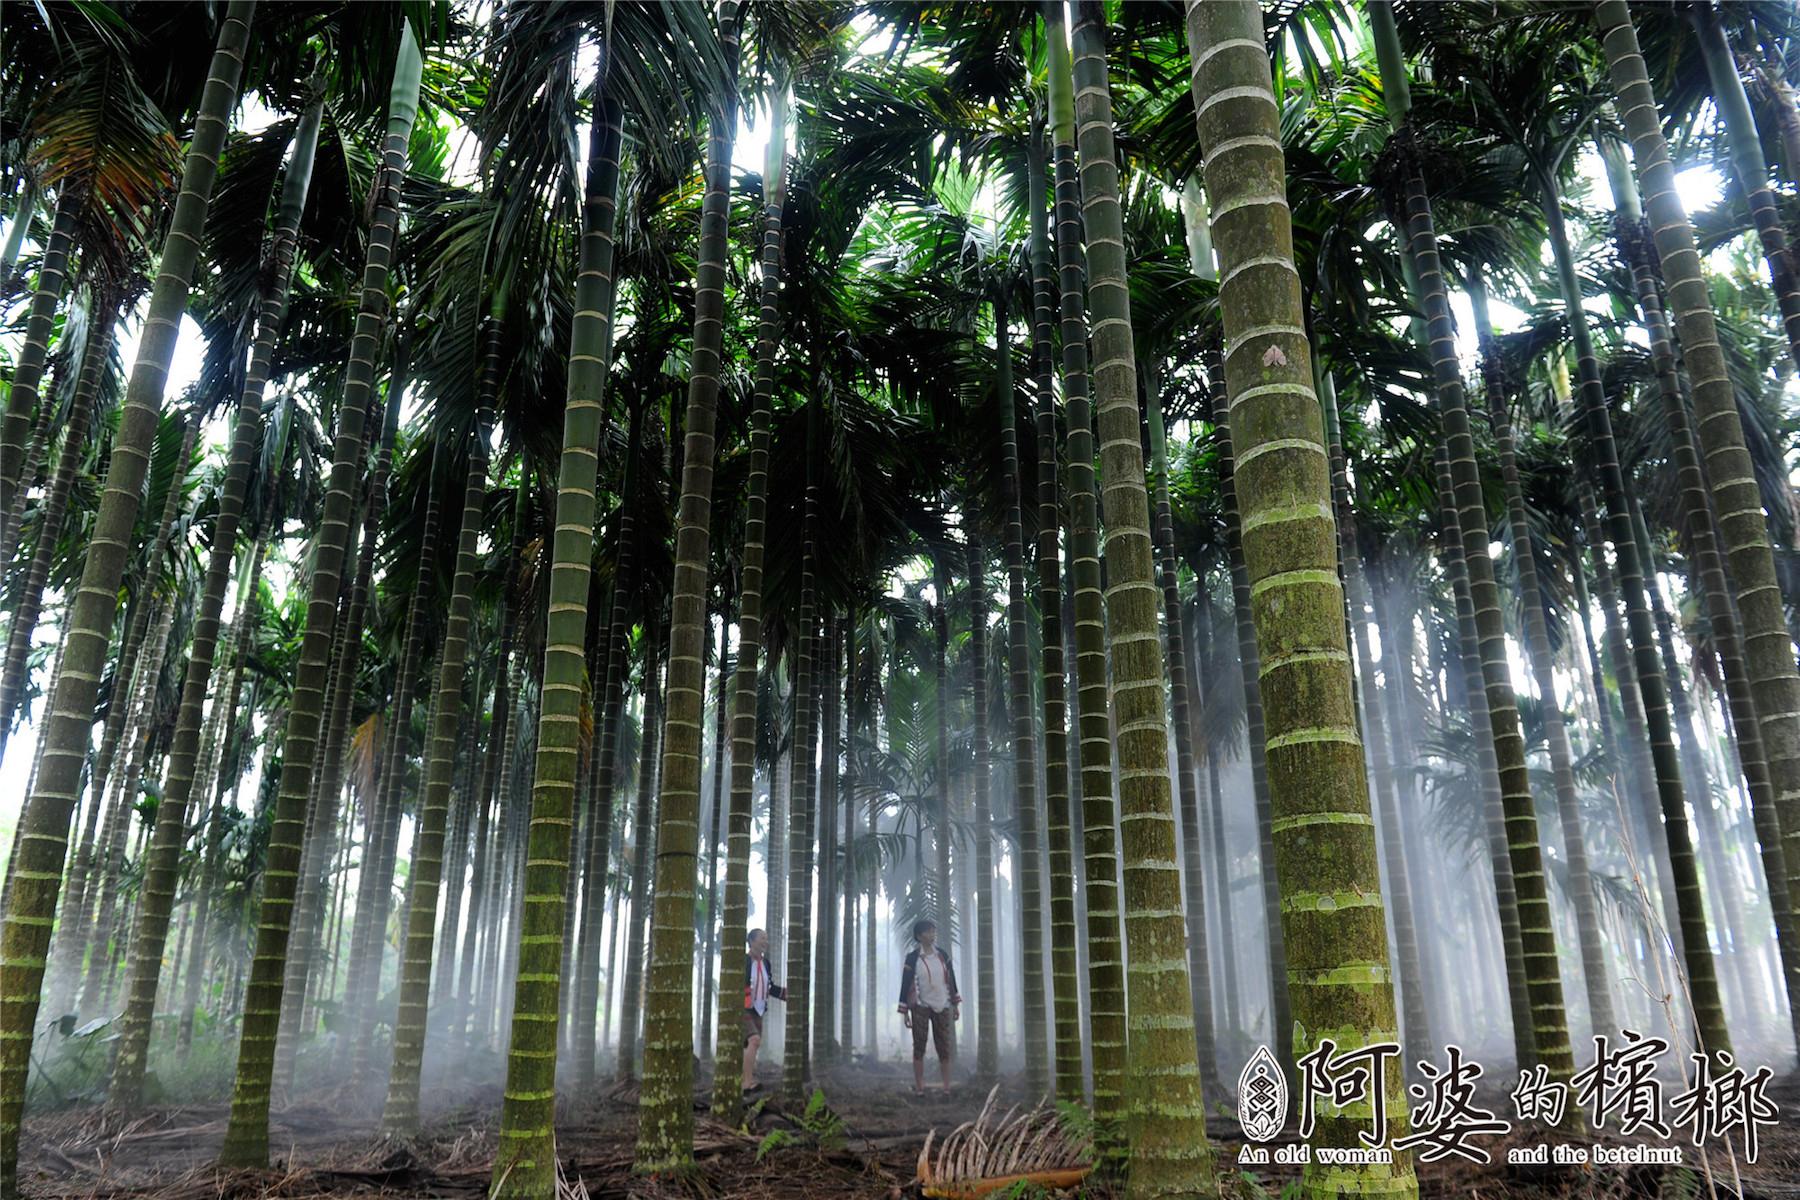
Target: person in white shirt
<point>759,988</point>
<point>930,1003</point>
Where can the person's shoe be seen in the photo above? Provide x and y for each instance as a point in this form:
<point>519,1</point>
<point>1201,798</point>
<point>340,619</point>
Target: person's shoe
<point>753,1089</point>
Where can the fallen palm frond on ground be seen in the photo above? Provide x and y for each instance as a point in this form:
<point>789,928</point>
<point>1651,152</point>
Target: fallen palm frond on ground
<point>984,1155</point>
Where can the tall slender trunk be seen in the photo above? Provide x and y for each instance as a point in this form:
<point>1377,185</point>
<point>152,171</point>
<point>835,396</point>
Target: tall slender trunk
<point>1324,836</point>
<point>53,511</point>
<point>1064,981</point>
<point>643,840</point>
<point>848,886</point>
<point>400,1115</point>
<point>727,1098</point>
<point>1100,877</point>
<point>29,196</point>
<point>796,1019</point>
<point>1702,980</point>
<point>825,816</point>
<point>939,892</point>
<point>1550,1034</point>
<point>1024,727</point>
<point>247,1135</point>
<point>709,942</point>
<point>126,1090</point>
<point>987,960</point>
<point>1767,646</point>
<point>1707,564</point>
<point>1182,702</point>
<point>368,935</point>
<point>1747,164</point>
<point>43,832</point>
<point>28,373</point>
<point>1537,645</point>
<point>666,1104</point>
<point>1166,1116</point>
<point>1396,881</point>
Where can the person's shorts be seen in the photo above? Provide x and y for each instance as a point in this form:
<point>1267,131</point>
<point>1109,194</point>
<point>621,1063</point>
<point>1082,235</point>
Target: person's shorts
<point>753,1022</point>
<point>936,1025</point>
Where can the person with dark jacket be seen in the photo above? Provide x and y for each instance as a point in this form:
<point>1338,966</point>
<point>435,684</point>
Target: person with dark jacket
<point>930,1003</point>
<point>759,988</point>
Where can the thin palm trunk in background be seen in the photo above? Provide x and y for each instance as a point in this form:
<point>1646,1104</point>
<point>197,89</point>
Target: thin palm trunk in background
<point>247,1135</point>
<point>43,831</point>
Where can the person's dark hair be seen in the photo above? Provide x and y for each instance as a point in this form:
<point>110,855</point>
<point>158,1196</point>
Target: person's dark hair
<point>750,938</point>
<point>923,926</point>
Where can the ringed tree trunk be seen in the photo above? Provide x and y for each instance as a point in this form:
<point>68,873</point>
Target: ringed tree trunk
<point>28,373</point>
<point>1024,731</point>
<point>1165,1113</point>
<point>1537,645</point>
<point>571,579</point>
<point>400,1116</point>
<point>247,1134</point>
<point>1398,893</point>
<point>1100,854</point>
<point>1709,570</point>
<point>987,961</point>
<point>158,888</point>
<point>666,1102</point>
<point>43,832</point>
<point>1748,165</point>
<point>1702,979</point>
<point>1768,649</point>
<point>1550,1032</point>
<point>728,1100</point>
<point>1183,699</point>
<point>1064,976</point>
<point>1323,829</point>
<point>796,1021</point>
<point>24,619</point>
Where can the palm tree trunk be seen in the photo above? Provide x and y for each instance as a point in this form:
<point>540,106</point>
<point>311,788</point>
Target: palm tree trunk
<point>1550,1033</point>
<point>1165,1113</point>
<point>247,1135</point>
<point>796,1020</point>
<point>643,839</point>
<point>1397,883</point>
<point>849,886</point>
<point>126,1090</point>
<point>940,895</point>
<point>709,942</point>
<point>987,960</point>
<point>1747,164</point>
<point>1702,980</point>
<point>53,512</point>
<point>1537,645</point>
<point>825,816</point>
<point>368,935</point>
<point>1708,566</point>
<point>1024,731</point>
<point>1064,980</point>
<point>1767,648</point>
<point>28,373</point>
<point>1182,702</point>
<point>400,1115</point>
<point>1100,877</point>
<point>29,196</point>
<point>1324,833</point>
<point>727,1099</point>
<point>666,1104</point>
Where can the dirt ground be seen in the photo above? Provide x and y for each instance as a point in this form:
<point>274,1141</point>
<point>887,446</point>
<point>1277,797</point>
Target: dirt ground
<point>327,1147</point>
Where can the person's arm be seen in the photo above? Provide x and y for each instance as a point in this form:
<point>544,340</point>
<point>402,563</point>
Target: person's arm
<point>775,989</point>
<point>906,981</point>
<point>950,980</point>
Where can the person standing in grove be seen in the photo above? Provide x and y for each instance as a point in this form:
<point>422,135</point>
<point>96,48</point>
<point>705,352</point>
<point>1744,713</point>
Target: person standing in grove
<point>759,988</point>
<point>930,1003</point>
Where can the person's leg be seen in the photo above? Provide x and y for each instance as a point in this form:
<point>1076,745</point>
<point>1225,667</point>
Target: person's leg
<point>921,1029</point>
<point>752,1044</point>
<point>944,1034</point>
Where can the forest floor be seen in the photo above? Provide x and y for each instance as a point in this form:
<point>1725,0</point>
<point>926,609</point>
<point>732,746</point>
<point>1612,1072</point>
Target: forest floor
<point>327,1147</point>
